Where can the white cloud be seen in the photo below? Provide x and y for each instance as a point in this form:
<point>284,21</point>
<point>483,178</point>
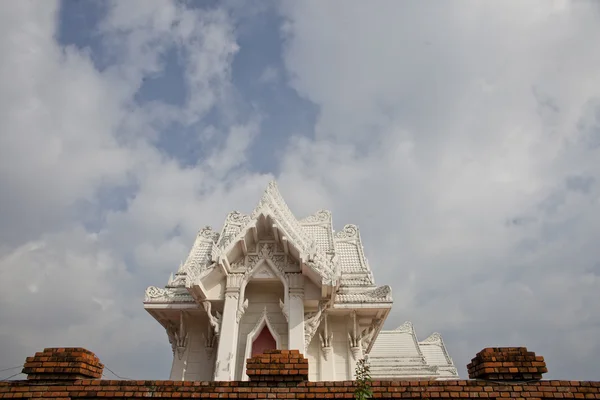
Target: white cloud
<point>447,133</point>
<point>68,130</point>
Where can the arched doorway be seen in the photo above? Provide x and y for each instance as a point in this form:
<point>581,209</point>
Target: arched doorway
<point>263,337</point>
<point>263,342</point>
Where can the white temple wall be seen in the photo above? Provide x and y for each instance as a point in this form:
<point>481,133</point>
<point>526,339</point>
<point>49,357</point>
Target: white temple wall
<point>341,349</point>
<point>195,364</point>
<point>311,291</point>
<point>313,355</point>
<point>259,295</point>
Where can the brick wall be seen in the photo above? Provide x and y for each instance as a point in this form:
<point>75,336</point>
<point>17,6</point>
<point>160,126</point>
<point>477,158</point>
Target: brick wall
<point>57,374</point>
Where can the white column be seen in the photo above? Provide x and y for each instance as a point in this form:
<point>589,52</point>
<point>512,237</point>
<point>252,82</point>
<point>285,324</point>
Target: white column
<point>228,337</point>
<point>296,313</point>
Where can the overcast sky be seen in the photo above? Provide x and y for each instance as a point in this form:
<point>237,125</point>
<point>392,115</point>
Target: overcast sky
<point>462,137</point>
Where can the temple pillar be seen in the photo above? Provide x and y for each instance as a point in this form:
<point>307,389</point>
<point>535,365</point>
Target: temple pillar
<point>226,352</point>
<point>296,313</point>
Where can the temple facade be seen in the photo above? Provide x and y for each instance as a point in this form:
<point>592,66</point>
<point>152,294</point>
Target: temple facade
<point>269,280</point>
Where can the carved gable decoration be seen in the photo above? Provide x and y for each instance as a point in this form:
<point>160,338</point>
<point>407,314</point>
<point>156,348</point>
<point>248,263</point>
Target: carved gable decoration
<point>266,252</point>
<point>274,207</point>
<point>264,272</point>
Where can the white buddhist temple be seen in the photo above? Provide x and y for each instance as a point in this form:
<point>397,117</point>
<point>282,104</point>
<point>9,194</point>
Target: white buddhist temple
<point>269,280</point>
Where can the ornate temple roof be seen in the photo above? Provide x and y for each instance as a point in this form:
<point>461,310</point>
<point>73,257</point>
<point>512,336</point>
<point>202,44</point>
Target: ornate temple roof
<point>337,258</point>
<point>310,251</point>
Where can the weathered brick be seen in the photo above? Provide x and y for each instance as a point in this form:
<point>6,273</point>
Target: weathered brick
<point>283,385</point>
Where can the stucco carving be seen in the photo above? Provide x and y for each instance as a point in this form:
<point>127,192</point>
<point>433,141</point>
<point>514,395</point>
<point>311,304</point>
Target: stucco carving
<point>195,275</point>
<point>208,233</point>
<point>317,218</point>
<point>178,335</point>
<point>349,232</point>
<point>354,337</point>
<point>326,338</point>
<point>324,266</point>
<point>234,281</point>
<point>311,324</point>
<point>153,292</point>
<point>177,281</point>
<point>433,338</point>
<point>236,217</point>
<point>242,307</point>
<point>264,318</point>
<point>407,326</point>
<point>213,320</point>
<point>169,295</point>
<point>213,330</point>
<point>382,294</point>
<point>284,310</point>
<point>273,203</point>
<point>367,335</point>
<point>356,352</point>
<point>233,225</point>
<point>265,252</point>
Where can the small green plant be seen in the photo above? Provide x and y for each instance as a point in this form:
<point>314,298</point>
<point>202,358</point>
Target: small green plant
<point>363,380</point>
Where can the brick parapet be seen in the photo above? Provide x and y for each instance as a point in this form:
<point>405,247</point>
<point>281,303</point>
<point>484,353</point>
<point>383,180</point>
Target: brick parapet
<point>69,363</point>
<point>278,366</point>
<point>461,389</point>
<point>270,385</point>
<point>507,364</point>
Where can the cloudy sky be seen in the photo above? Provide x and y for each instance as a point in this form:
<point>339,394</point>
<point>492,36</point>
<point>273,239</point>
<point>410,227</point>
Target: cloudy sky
<point>462,137</point>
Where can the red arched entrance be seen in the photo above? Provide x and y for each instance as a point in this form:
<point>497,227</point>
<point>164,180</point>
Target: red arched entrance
<point>264,341</point>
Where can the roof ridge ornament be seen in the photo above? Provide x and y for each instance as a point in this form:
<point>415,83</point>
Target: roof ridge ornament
<point>350,231</point>
<point>319,217</point>
<point>407,327</point>
<point>208,233</point>
<point>433,338</point>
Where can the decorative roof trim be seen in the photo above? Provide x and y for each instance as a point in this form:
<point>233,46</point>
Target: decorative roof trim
<point>435,339</point>
<point>273,201</point>
<point>321,217</point>
<point>351,234</point>
<point>381,294</point>
<point>170,295</point>
<point>273,205</point>
<point>234,219</point>
<point>406,327</point>
<point>204,236</point>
